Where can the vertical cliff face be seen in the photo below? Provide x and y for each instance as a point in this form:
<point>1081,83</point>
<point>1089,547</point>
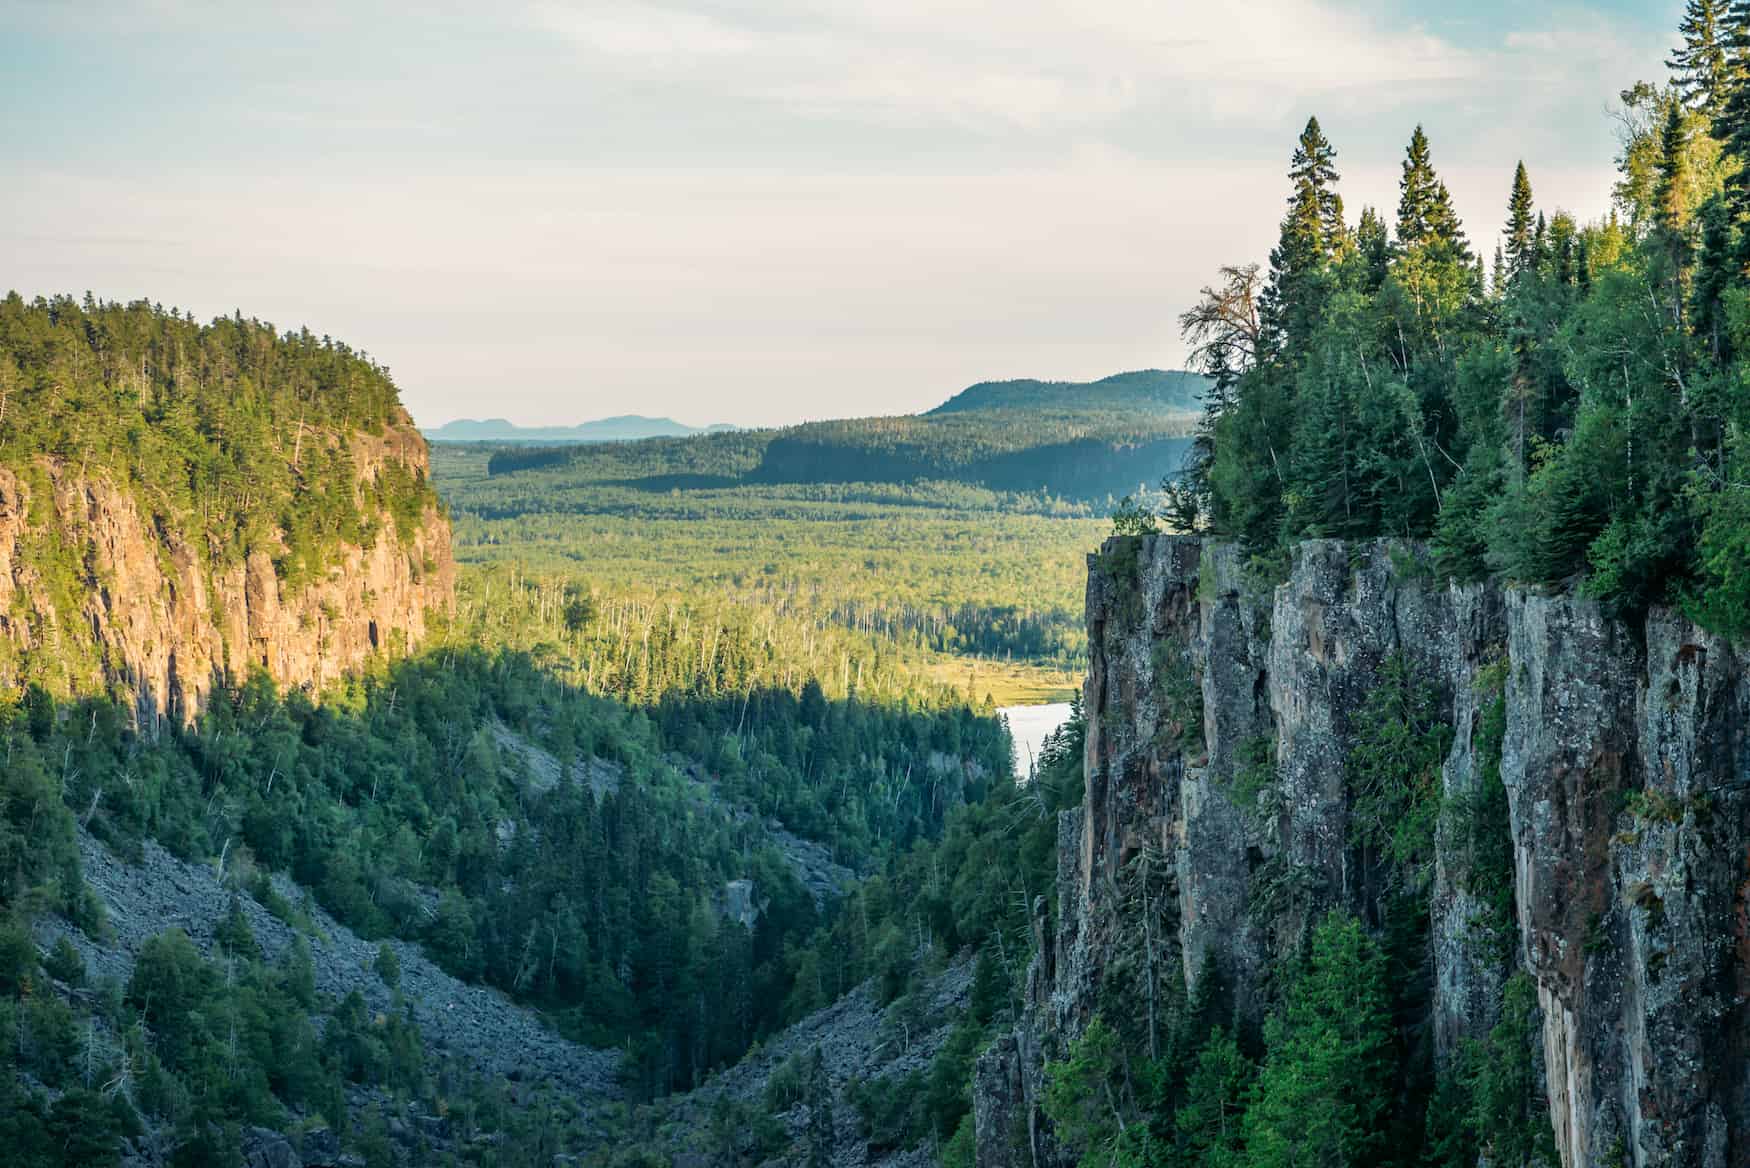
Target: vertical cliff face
<point>1628,767</point>
<point>149,613</point>
<point>1222,717</point>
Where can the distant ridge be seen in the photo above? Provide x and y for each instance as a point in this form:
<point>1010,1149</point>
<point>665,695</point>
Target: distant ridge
<point>1090,441</point>
<point>620,428</point>
<point>1166,390</point>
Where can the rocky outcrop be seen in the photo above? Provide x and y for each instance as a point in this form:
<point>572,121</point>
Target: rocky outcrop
<point>1628,765</point>
<point>482,1029</point>
<point>1222,715</point>
<point>153,615</point>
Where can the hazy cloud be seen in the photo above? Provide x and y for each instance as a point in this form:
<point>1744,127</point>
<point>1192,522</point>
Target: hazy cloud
<point>752,212</point>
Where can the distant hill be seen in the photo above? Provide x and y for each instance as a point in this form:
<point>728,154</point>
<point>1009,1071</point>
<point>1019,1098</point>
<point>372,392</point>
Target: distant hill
<point>1168,390</point>
<point>621,428</point>
<point>1091,442</point>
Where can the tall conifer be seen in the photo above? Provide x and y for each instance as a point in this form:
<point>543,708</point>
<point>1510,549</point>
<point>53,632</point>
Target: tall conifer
<point>1732,123</point>
<point>1702,67</point>
<point>1521,242</point>
<point>1311,231</point>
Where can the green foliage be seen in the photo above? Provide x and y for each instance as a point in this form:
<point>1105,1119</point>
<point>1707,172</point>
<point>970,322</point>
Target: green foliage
<point>1133,518</point>
<point>546,821</point>
<point>235,436</point>
<point>1581,418</point>
<point>1326,1083</point>
<point>957,570</point>
<point>64,963</point>
<point>1083,443</point>
<point>1393,770</point>
<point>1254,770</point>
<point>1082,1099</point>
<point>1490,1103</point>
<point>388,966</point>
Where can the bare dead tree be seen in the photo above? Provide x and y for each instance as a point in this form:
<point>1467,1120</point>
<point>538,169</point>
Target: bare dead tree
<point>1223,328</point>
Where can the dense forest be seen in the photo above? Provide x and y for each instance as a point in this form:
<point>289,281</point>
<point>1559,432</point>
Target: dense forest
<point>958,572</point>
<point>985,507</point>
<point>557,796</point>
<point>468,801</point>
<point>234,434</point>
<point>1572,407</point>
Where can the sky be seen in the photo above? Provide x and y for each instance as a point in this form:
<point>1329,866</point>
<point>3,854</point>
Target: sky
<point>754,211</point>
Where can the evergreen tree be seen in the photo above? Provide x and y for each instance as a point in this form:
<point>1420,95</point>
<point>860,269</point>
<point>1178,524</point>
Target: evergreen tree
<point>1373,249</point>
<point>1521,240</point>
<point>821,1135</point>
<point>1418,192</point>
<point>1211,1120</point>
<point>1310,232</point>
<point>1732,122</point>
<point>1326,1086</point>
<point>1669,192</point>
<point>1702,65</point>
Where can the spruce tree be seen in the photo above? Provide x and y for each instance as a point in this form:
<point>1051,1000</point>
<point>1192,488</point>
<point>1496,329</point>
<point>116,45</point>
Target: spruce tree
<point>1732,123</point>
<point>1373,246</point>
<point>1326,1086</point>
<point>1310,231</point>
<point>1670,189</point>
<point>1702,67</point>
<point>1521,243</point>
<point>822,1138</point>
<point>1416,192</point>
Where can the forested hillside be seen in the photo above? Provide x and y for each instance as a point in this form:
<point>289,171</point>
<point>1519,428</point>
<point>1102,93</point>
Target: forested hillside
<point>631,818</point>
<point>181,502</point>
<point>1082,442</point>
<point>934,539</point>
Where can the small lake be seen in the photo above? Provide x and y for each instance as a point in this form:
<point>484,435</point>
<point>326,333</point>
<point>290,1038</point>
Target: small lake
<point>1029,726</point>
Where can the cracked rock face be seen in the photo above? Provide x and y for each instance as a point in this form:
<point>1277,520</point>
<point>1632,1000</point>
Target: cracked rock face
<point>1220,720</point>
<point>159,623</point>
<point>1627,769</point>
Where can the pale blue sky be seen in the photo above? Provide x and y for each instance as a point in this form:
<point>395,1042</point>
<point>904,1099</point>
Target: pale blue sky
<point>752,212</point>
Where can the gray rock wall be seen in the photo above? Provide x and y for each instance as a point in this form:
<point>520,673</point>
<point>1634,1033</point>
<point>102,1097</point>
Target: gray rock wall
<point>1625,758</point>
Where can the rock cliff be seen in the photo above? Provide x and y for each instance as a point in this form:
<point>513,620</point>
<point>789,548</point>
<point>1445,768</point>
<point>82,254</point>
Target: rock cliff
<point>1594,830</point>
<point>110,591</point>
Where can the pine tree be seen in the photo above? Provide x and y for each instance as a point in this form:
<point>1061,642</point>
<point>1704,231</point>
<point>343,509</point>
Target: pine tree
<point>1521,243</point>
<point>1314,167</point>
<point>822,1137</point>
<point>1416,195</point>
<point>1210,1122</point>
<point>1373,246</point>
<point>1702,67</point>
<point>1732,123</point>
<point>1713,275</point>
<point>1311,231</point>
<point>1326,1085</point>
<point>1670,189</point>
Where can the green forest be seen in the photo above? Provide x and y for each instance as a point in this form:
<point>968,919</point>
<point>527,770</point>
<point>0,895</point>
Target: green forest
<point>1572,406</point>
<point>236,437</point>
<point>406,804</point>
<point>933,579</point>
<point>774,657</point>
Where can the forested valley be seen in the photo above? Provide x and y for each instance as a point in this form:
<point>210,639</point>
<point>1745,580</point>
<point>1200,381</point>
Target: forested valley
<point>667,825</point>
<point>693,767</point>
